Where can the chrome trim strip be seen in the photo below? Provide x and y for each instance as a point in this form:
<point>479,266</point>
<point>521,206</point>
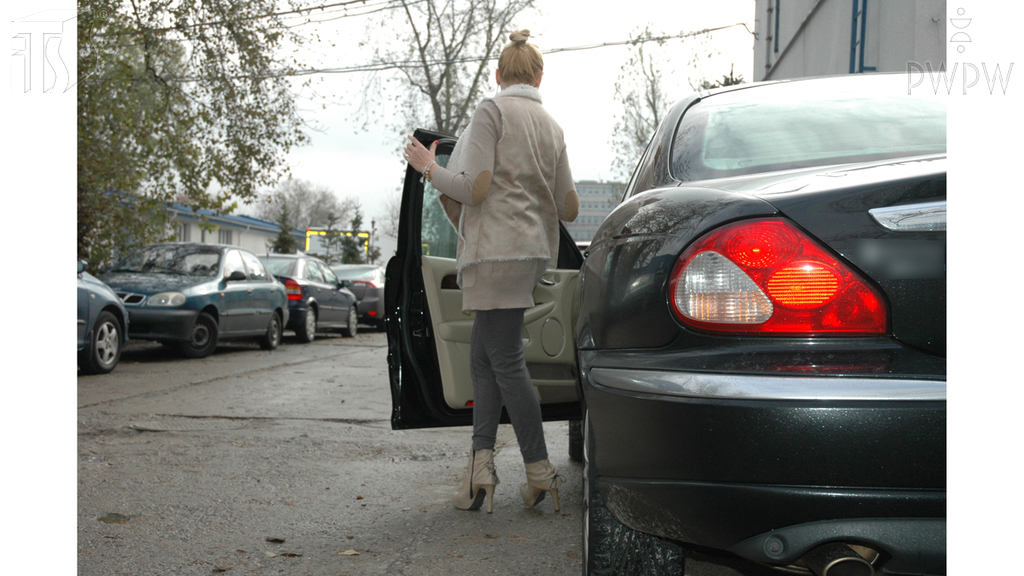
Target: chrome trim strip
<point>743,387</point>
<point>927,217</point>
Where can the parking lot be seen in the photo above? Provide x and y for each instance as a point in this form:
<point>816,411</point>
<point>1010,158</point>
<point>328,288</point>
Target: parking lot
<point>284,462</point>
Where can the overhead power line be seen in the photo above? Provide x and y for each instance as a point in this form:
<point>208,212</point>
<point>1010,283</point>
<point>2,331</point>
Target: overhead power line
<point>379,66</point>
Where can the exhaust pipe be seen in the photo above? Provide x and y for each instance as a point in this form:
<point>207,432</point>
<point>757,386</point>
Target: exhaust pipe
<point>837,559</point>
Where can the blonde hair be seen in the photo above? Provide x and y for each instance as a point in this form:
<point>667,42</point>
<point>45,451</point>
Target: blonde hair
<point>520,61</point>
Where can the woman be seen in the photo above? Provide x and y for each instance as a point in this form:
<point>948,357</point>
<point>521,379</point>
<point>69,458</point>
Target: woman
<point>506,185</point>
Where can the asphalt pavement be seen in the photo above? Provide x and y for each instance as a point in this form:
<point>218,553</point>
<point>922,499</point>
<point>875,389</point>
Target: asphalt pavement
<point>284,462</point>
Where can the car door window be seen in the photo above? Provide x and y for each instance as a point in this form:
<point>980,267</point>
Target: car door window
<point>437,232</point>
<point>257,272</point>
<point>233,263</point>
<point>313,272</point>
<point>329,276</point>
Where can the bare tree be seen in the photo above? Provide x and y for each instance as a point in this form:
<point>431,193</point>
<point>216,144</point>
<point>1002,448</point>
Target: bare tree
<point>640,89</point>
<point>309,205</point>
<point>392,213</point>
<point>443,52</point>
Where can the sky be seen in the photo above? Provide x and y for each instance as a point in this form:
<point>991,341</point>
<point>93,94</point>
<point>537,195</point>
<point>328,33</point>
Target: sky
<point>364,164</point>
<point>985,201</point>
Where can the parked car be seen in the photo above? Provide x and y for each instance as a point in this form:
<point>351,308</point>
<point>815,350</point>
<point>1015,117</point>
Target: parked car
<point>316,298</point>
<point>755,342</point>
<point>368,286</point>
<point>102,324</point>
<point>193,295</point>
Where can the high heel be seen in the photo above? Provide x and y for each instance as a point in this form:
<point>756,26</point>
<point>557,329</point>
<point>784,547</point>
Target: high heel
<point>478,483</point>
<point>541,478</point>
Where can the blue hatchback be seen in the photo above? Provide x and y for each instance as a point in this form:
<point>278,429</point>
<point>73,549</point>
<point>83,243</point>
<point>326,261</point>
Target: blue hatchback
<point>193,295</point>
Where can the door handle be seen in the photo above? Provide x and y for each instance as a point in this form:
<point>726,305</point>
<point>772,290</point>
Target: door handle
<point>546,282</point>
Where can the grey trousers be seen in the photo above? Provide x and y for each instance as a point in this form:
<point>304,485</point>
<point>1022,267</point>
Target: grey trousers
<point>498,368</point>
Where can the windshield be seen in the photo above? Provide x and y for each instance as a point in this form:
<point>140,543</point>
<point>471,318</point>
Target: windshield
<point>804,124</point>
<point>181,260</point>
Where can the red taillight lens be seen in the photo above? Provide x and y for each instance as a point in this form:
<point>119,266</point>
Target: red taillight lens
<point>365,282</point>
<point>292,288</point>
<point>766,276</point>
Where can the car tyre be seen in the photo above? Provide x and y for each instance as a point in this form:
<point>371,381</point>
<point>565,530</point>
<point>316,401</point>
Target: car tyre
<point>306,332</point>
<point>203,340</point>
<point>103,351</point>
<point>612,548</point>
<point>352,326</point>
<point>576,440</point>
<point>272,338</point>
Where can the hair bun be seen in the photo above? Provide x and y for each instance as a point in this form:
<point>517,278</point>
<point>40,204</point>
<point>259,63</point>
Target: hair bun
<point>519,36</point>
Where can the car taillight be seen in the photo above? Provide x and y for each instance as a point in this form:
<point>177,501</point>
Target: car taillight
<point>365,282</point>
<point>766,276</point>
<point>292,288</point>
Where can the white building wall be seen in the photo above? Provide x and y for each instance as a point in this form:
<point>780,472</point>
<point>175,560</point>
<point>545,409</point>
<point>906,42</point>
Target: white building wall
<point>814,36</point>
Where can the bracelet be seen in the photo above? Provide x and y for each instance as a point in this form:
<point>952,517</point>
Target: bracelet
<point>426,171</point>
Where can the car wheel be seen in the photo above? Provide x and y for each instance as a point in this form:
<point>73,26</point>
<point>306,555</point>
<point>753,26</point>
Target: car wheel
<point>307,331</point>
<point>272,338</point>
<point>612,548</point>
<point>203,340</point>
<point>576,440</point>
<point>351,327</point>
<point>104,350</point>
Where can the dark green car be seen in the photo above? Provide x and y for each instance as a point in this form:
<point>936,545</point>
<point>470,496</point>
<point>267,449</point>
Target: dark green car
<point>193,295</point>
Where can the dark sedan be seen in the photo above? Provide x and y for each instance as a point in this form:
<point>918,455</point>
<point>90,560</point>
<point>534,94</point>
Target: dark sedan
<point>758,349</point>
<point>316,297</point>
<point>102,324</point>
<point>193,296</point>
<point>368,286</point>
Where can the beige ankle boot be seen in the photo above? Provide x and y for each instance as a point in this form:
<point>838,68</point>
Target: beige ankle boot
<point>541,478</point>
<point>480,480</point>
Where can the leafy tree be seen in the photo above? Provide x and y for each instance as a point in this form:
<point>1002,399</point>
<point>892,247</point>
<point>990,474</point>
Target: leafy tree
<point>178,100</point>
<point>442,51</point>
<point>309,204</point>
<point>285,242</point>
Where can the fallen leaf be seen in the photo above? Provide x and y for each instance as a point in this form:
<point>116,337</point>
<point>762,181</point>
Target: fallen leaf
<point>275,539</point>
<point>359,497</point>
<point>269,554</point>
<point>350,536</point>
<point>571,555</point>
<point>492,536</point>
<point>406,509</point>
<point>290,554</point>
<point>222,568</point>
<point>348,553</point>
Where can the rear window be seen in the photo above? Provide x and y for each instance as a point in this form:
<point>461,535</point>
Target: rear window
<point>278,266</point>
<point>356,273</point>
<point>804,124</point>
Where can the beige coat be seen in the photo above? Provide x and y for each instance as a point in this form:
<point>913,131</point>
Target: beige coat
<point>507,184</point>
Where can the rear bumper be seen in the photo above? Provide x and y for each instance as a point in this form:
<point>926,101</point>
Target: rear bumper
<point>726,461</point>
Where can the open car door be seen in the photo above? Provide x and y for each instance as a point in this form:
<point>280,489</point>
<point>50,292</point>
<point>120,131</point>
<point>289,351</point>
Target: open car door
<point>428,334</point>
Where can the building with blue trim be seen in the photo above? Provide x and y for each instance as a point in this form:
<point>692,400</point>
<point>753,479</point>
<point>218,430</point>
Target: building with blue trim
<point>253,234</point>
<point>801,38</point>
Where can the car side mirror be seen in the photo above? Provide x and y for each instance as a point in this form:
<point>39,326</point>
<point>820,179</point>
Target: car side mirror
<point>81,266</point>
<point>236,276</point>
<point>345,283</point>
